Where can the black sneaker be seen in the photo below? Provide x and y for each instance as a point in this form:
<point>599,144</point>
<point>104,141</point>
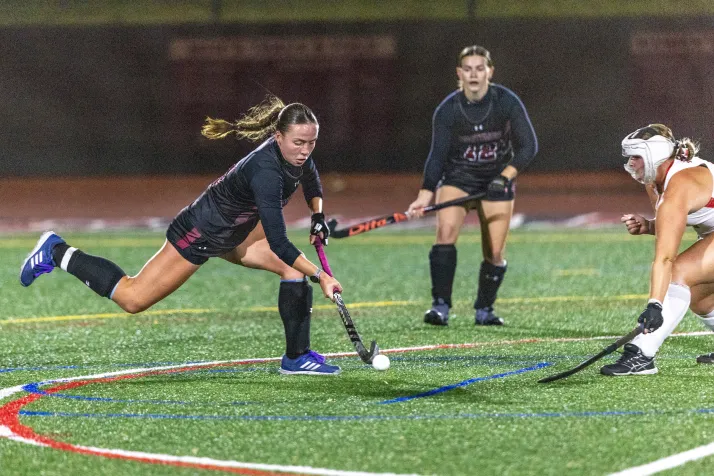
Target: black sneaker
<point>706,359</point>
<point>438,315</point>
<point>631,362</point>
<point>486,317</point>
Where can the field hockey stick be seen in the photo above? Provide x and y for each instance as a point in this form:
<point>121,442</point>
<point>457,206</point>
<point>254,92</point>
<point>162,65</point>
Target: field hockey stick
<point>365,355</point>
<point>397,217</point>
<point>606,351</point>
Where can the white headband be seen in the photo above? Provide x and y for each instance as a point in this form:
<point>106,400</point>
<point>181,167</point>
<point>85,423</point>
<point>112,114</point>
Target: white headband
<point>654,151</point>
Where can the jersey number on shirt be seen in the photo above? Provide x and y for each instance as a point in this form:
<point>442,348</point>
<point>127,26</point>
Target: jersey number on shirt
<point>482,152</point>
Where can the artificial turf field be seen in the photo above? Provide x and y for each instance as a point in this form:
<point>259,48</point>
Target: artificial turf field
<point>445,409</point>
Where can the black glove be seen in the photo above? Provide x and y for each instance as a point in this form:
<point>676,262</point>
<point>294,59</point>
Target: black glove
<point>319,225</point>
<point>651,317</point>
<point>498,188</point>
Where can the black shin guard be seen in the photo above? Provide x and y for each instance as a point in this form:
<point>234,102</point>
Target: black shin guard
<point>489,280</point>
<point>295,306</point>
<point>442,261</point>
<point>100,274</point>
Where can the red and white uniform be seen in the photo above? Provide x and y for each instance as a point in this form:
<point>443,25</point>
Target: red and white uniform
<point>701,220</point>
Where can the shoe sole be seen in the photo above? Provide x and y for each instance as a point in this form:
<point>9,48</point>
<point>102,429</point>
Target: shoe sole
<point>499,322</point>
<point>707,361</point>
<point>641,372</point>
<point>307,372</point>
<point>43,238</point>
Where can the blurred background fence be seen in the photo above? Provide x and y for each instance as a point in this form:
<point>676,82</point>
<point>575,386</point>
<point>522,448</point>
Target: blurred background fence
<point>122,88</point>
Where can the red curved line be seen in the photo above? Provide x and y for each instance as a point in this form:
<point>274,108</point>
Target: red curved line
<point>9,416</point>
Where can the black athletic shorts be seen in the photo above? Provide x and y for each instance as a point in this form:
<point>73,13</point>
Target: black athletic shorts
<point>192,243</point>
<point>473,185</point>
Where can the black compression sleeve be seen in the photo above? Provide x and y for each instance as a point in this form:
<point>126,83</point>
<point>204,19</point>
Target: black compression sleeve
<point>525,142</point>
<point>311,185</point>
<point>267,188</point>
<point>440,141</point>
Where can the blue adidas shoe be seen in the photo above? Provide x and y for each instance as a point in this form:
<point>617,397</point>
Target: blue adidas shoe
<point>39,261</point>
<point>310,363</point>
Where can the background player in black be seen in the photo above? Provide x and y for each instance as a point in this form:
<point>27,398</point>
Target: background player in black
<point>238,218</point>
<point>482,138</point>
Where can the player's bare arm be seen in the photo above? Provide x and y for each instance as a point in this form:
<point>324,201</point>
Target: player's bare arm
<point>688,190</point>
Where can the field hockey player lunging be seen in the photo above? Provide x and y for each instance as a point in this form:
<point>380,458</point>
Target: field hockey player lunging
<point>239,218</point>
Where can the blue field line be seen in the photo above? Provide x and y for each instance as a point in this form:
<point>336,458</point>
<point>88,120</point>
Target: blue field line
<point>464,383</point>
<point>34,388</point>
<point>30,369</point>
<point>458,416</point>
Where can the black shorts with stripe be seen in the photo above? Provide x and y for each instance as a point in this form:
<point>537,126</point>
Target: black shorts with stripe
<point>194,245</point>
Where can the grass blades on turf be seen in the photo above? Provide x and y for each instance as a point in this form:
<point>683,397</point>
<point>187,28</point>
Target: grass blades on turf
<point>452,410</point>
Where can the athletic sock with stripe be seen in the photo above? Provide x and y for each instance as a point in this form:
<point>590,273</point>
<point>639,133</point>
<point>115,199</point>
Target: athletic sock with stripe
<point>100,274</point>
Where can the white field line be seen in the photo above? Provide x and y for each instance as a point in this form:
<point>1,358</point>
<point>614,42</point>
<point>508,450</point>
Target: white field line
<point>669,462</point>
<point>6,392</point>
<point>217,463</point>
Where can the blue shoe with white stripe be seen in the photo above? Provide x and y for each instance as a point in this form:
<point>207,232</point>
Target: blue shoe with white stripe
<point>310,363</point>
<point>39,261</point>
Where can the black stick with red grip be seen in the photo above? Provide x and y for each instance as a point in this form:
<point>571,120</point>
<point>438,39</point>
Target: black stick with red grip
<point>397,217</point>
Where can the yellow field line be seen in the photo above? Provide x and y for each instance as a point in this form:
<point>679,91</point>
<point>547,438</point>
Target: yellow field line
<point>356,305</point>
<point>576,272</point>
<point>351,305</point>
<point>527,237</point>
<point>106,315</point>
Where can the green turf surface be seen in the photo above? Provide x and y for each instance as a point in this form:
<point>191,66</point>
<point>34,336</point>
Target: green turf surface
<point>560,284</point>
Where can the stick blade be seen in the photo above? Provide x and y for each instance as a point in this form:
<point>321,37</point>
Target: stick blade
<point>606,351</point>
<point>373,350</point>
<point>552,378</point>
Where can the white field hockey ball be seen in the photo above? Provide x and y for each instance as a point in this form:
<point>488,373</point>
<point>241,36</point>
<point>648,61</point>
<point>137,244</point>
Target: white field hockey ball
<point>380,362</point>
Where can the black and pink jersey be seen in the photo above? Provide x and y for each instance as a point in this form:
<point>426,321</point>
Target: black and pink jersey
<point>255,189</point>
<point>479,139</point>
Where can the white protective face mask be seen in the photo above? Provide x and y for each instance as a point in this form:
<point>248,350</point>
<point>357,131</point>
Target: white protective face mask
<point>654,151</point>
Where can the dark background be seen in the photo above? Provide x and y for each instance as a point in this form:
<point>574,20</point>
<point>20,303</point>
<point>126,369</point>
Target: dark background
<point>86,101</point>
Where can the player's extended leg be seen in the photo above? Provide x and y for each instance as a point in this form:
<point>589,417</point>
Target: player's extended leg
<point>161,275</point>
<point>294,305</point>
<point>442,256</point>
<point>699,265</point>
<point>495,220</point>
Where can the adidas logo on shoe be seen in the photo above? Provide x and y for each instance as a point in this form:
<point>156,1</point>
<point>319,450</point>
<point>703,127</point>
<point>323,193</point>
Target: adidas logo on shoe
<point>309,363</point>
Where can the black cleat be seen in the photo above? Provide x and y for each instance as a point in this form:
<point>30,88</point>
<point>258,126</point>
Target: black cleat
<point>706,359</point>
<point>486,317</point>
<point>438,315</point>
<point>631,362</point>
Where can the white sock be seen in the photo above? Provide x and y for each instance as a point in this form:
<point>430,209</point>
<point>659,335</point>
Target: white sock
<point>708,320</point>
<point>674,307</point>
